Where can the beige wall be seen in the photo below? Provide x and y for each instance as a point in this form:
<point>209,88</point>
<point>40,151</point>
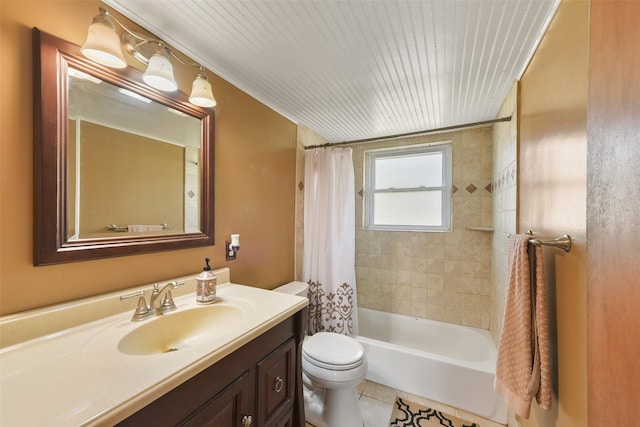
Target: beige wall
<point>255,155</point>
<point>128,179</point>
<point>552,198</point>
<point>439,276</point>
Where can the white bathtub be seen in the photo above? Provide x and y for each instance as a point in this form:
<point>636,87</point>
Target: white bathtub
<point>451,364</point>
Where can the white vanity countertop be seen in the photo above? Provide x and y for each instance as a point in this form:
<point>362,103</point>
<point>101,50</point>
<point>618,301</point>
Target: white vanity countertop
<point>78,376</point>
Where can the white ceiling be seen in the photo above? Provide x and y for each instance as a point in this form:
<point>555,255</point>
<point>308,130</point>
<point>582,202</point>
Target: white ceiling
<point>356,69</point>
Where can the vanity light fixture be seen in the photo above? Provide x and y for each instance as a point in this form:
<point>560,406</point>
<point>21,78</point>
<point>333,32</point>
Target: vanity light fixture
<point>102,44</point>
<point>159,73</point>
<point>105,47</point>
<point>201,93</point>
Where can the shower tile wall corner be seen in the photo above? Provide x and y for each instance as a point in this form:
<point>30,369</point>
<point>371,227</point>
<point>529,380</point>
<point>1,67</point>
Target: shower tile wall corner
<point>439,276</point>
<point>505,176</point>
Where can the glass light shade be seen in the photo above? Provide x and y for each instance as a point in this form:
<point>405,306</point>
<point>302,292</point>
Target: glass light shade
<point>103,45</point>
<point>201,93</point>
<point>159,73</point>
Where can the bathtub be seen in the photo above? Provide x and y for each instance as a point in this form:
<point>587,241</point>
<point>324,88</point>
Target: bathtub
<point>448,363</point>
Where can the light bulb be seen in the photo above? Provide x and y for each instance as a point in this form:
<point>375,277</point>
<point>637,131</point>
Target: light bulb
<point>201,93</point>
<point>102,44</point>
<point>159,73</point>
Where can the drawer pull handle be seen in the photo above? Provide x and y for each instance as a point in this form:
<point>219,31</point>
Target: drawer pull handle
<point>246,420</point>
<point>279,383</point>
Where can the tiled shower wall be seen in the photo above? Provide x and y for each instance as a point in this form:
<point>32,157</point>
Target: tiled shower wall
<point>192,190</point>
<point>505,172</point>
<point>440,276</point>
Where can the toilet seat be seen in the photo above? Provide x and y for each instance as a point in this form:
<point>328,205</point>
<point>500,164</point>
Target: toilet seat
<point>333,351</point>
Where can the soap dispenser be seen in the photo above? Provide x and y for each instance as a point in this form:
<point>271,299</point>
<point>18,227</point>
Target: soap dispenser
<point>206,285</point>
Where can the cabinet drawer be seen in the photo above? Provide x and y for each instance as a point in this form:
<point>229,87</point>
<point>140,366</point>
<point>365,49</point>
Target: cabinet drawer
<point>276,384</point>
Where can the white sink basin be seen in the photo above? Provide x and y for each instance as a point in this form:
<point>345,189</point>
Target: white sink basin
<point>112,367</point>
<point>179,330</point>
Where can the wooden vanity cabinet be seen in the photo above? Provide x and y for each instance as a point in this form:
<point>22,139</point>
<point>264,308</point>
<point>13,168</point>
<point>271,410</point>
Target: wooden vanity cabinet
<point>260,384</point>
<point>225,408</point>
<point>276,384</point>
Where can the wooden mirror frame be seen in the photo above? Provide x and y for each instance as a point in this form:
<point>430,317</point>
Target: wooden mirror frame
<point>52,57</point>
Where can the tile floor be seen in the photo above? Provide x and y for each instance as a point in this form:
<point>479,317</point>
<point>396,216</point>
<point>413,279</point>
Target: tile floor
<point>377,400</point>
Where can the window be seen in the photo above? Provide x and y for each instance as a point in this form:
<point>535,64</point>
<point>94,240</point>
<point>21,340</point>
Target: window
<point>408,189</point>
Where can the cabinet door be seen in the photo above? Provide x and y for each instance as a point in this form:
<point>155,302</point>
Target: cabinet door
<point>229,408</point>
<point>276,384</point>
<point>286,421</point>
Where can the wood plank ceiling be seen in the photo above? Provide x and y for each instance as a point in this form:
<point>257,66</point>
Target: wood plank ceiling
<point>356,69</point>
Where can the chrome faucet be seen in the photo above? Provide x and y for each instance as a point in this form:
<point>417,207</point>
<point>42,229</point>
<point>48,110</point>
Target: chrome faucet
<point>161,301</point>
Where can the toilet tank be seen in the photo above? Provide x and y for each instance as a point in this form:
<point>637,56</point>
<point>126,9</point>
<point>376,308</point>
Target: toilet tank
<point>294,288</point>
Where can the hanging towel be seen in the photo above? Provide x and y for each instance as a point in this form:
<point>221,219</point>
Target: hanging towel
<point>523,369</point>
<point>137,228</point>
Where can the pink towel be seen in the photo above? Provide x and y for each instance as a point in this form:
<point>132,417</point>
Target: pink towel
<point>522,369</point>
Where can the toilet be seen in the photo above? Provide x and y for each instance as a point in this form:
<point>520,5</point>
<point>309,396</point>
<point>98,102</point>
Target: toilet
<point>332,366</point>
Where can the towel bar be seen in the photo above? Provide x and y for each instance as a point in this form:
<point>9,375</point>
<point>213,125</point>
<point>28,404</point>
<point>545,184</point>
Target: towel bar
<point>123,228</point>
<point>562,242</point>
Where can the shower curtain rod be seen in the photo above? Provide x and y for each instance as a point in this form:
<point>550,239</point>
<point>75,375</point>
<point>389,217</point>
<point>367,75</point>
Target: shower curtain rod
<point>403,135</point>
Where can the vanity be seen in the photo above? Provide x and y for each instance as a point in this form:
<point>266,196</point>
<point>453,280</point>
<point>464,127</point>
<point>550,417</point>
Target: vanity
<point>235,362</point>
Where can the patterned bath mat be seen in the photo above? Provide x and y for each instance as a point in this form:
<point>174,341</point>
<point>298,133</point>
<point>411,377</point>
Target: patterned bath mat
<point>410,414</point>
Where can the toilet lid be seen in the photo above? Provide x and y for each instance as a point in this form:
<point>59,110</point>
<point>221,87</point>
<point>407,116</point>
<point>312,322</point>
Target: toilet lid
<point>333,351</point>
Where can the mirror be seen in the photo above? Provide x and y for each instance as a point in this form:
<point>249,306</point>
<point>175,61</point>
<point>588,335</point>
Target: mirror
<point>131,160</point>
<point>120,168</point>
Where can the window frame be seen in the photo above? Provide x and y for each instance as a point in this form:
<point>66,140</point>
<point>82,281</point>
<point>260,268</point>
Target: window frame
<point>370,157</point>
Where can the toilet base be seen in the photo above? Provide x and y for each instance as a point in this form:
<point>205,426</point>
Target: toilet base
<point>332,407</point>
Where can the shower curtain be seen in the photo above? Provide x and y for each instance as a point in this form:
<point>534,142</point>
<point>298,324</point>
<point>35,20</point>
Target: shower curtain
<point>328,262</point>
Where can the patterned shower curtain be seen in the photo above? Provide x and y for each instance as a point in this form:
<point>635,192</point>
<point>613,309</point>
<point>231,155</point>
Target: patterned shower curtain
<point>329,240</point>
